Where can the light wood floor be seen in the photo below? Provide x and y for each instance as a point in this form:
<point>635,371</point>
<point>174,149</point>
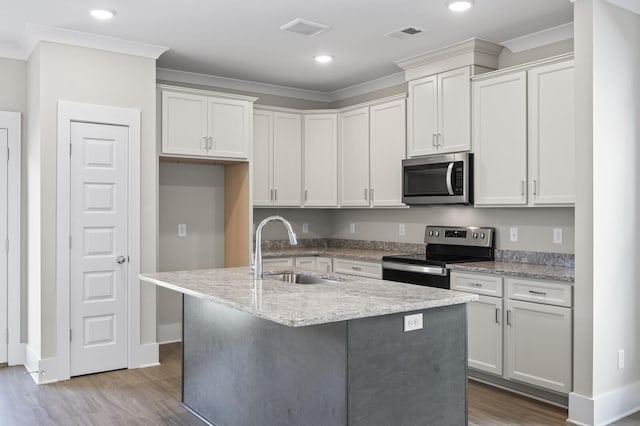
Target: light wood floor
<point>151,396</point>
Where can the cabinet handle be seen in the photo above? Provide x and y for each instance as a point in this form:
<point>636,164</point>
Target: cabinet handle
<point>438,140</point>
<point>275,194</point>
<point>433,140</point>
<point>271,195</point>
<point>366,195</point>
<point>533,187</point>
<point>371,194</point>
<point>497,315</point>
<point>328,268</point>
<point>305,194</point>
<point>476,284</point>
<point>538,293</point>
<point>356,268</point>
<point>522,188</point>
<point>509,317</point>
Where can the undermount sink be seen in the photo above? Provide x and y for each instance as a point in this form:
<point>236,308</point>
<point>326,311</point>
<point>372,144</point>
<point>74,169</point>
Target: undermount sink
<point>292,277</point>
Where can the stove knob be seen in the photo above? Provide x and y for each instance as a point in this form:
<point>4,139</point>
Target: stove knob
<point>482,235</point>
<point>475,235</point>
<point>437,234</point>
<point>431,233</point>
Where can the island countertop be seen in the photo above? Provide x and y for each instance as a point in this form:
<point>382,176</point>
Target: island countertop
<point>298,305</point>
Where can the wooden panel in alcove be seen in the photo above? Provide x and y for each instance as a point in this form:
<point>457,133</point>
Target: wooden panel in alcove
<point>236,215</point>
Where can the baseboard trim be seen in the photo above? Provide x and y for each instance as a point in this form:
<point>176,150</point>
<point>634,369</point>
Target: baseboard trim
<point>42,371</point>
<point>147,355</point>
<point>170,333</point>
<point>605,408</point>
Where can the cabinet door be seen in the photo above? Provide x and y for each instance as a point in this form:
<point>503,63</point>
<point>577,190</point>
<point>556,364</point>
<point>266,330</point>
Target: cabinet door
<point>388,142</point>
<point>321,160</point>
<point>262,158</point>
<point>354,157</point>
<point>422,118</point>
<point>552,134</point>
<point>324,264</point>
<point>287,159</point>
<point>485,334</point>
<point>538,339</point>
<point>500,140</point>
<point>229,127</point>
<point>454,111</point>
<point>184,124</point>
<point>306,262</point>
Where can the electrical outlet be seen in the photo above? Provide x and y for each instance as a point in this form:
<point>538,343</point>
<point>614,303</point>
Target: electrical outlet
<point>352,228</point>
<point>401,229</point>
<point>182,230</point>
<point>305,228</point>
<point>513,234</point>
<point>620,359</point>
<point>557,235</point>
<point>412,322</point>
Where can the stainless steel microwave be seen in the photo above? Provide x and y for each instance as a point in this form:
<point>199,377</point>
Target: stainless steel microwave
<point>438,179</point>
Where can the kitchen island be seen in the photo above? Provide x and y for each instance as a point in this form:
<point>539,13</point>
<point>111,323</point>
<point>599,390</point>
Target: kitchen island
<point>267,352</point>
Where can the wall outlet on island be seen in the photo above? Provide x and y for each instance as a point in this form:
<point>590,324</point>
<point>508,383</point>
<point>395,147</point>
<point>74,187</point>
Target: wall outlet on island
<point>352,228</point>
<point>305,228</point>
<point>412,322</point>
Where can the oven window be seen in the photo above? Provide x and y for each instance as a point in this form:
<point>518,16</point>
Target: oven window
<point>425,180</point>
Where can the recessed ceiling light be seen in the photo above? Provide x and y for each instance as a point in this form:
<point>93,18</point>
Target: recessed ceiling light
<point>459,5</point>
<point>102,14</point>
<point>324,59</point>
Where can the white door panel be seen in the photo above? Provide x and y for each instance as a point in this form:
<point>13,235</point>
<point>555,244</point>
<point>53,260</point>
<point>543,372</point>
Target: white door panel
<point>3,237</point>
<point>99,210</point>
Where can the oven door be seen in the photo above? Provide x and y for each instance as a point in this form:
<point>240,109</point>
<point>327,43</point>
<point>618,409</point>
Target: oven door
<point>425,275</point>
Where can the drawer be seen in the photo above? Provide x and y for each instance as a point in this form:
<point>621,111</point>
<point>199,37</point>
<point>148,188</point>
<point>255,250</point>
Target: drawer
<point>488,285</point>
<point>548,293</point>
<point>278,261</point>
<point>358,267</point>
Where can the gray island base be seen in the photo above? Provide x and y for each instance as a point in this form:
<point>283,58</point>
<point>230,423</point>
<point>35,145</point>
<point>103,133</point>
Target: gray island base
<point>241,370</point>
<point>267,352</point>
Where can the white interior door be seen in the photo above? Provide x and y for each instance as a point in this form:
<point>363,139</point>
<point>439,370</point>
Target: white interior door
<point>3,238</point>
<point>98,247</point>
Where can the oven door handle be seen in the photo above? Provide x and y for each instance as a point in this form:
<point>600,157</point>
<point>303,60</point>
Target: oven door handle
<point>427,270</point>
<point>449,173</point>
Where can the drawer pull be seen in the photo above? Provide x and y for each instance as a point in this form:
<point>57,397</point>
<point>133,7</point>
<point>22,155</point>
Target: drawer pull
<point>509,317</point>
<point>538,293</point>
<point>497,315</point>
<point>476,284</point>
<point>356,268</point>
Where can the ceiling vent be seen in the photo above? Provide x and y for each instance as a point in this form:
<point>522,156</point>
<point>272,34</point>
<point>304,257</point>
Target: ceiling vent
<point>404,33</point>
<point>305,27</point>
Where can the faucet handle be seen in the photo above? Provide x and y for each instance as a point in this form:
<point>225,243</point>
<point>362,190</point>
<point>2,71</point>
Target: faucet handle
<point>252,266</point>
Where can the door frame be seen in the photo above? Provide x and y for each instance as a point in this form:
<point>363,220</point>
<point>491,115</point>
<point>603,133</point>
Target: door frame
<point>69,112</point>
<point>15,348</point>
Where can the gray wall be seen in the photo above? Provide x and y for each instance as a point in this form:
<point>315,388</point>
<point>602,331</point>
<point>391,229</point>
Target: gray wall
<point>535,225</point>
<point>192,194</point>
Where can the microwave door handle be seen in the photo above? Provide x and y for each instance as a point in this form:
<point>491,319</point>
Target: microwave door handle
<point>449,173</point>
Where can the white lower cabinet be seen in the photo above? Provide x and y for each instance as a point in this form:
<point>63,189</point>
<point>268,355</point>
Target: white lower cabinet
<point>527,336</point>
<point>316,263</point>
<point>324,264</point>
<point>278,261</point>
<point>358,267</point>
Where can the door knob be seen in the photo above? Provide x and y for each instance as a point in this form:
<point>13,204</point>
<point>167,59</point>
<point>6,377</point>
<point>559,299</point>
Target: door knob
<point>121,259</point>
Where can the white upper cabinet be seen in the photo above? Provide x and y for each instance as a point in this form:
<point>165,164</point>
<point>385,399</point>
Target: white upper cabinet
<point>523,136</point>
<point>205,125</point>
<point>277,158</point>
<point>387,150</point>
<point>354,157</point>
<point>320,160</point>
<point>371,149</point>
<point>552,134</point>
<point>439,113</point>
<point>500,140</point>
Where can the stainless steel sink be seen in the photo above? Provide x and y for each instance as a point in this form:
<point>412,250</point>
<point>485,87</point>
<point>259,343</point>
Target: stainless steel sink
<point>295,278</point>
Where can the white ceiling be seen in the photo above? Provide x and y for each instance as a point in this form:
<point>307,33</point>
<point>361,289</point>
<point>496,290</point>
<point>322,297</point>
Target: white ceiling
<point>241,38</point>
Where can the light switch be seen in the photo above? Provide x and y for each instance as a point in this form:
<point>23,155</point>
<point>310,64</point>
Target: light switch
<point>182,230</point>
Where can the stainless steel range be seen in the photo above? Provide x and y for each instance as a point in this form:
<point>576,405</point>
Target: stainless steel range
<point>445,245</point>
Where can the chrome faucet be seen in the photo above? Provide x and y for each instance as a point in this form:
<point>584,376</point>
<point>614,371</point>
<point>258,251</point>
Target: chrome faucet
<point>257,260</point>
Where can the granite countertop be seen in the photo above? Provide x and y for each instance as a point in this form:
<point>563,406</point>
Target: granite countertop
<point>297,305</point>
<point>524,270</point>
<point>350,253</point>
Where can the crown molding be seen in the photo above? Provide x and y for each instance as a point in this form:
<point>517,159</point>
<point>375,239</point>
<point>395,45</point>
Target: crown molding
<point>540,38</point>
<point>367,87</point>
<point>34,34</point>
